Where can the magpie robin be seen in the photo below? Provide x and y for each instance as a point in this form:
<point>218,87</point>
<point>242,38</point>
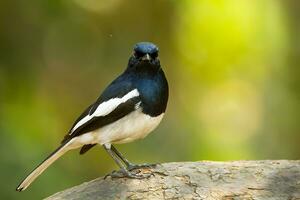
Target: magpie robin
<point>129,109</point>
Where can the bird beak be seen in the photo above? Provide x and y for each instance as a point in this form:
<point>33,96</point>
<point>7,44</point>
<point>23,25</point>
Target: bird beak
<point>146,57</point>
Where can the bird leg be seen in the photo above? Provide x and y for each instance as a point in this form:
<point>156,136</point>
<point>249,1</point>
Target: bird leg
<point>130,166</point>
<point>124,171</point>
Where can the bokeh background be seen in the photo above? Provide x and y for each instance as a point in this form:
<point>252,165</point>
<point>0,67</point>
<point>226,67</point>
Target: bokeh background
<point>232,66</point>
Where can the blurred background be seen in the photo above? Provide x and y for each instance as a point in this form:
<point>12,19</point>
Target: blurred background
<point>232,66</point>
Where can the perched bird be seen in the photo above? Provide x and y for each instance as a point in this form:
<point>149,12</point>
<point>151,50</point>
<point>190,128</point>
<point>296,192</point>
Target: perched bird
<point>129,109</point>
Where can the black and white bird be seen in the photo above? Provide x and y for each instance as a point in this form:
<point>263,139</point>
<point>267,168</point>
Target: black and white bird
<point>129,109</point>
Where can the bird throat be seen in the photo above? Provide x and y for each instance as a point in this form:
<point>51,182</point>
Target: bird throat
<point>146,68</point>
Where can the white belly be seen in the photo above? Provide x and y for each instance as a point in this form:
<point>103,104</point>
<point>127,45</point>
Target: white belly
<point>133,126</point>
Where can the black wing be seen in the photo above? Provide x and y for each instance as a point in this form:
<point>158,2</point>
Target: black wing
<point>118,88</point>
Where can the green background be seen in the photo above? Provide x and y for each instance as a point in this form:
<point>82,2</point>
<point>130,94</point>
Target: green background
<point>232,66</point>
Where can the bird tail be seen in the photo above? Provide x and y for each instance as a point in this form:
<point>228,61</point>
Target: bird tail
<point>63,148</point>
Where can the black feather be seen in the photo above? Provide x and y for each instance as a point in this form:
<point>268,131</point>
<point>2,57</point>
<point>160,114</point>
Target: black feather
<point>85,148</point>
<point>147,77</point>
<point>97,122</point>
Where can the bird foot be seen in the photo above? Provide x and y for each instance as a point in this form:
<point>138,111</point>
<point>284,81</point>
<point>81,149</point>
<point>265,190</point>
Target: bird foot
<point>140,166</point>
<point>127,174</point>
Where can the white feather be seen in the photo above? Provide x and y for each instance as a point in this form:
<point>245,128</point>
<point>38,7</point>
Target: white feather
<point>106,107</point>
<point>45,164</point>
<point>133,126</point>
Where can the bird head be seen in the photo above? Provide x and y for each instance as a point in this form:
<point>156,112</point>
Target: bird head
<point>144,57</point>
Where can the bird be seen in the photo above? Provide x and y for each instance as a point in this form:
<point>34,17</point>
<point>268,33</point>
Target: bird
<point>130,107</point>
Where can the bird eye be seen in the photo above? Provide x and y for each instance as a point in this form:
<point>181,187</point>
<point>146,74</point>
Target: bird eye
<point>138,54</point>
<point>154,55</point>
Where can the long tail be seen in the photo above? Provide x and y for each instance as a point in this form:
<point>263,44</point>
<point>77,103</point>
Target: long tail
<point>44,165</point>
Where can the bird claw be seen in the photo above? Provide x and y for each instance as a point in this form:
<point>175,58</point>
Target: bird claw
<point>110,174</point>
<point>139,166</point>
<point>127,174</point>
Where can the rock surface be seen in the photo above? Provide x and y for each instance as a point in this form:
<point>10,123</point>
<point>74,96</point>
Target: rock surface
<point>199,180</point>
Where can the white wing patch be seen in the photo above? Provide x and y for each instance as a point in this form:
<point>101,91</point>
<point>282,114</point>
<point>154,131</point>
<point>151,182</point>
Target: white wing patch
<point>106,107</point>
